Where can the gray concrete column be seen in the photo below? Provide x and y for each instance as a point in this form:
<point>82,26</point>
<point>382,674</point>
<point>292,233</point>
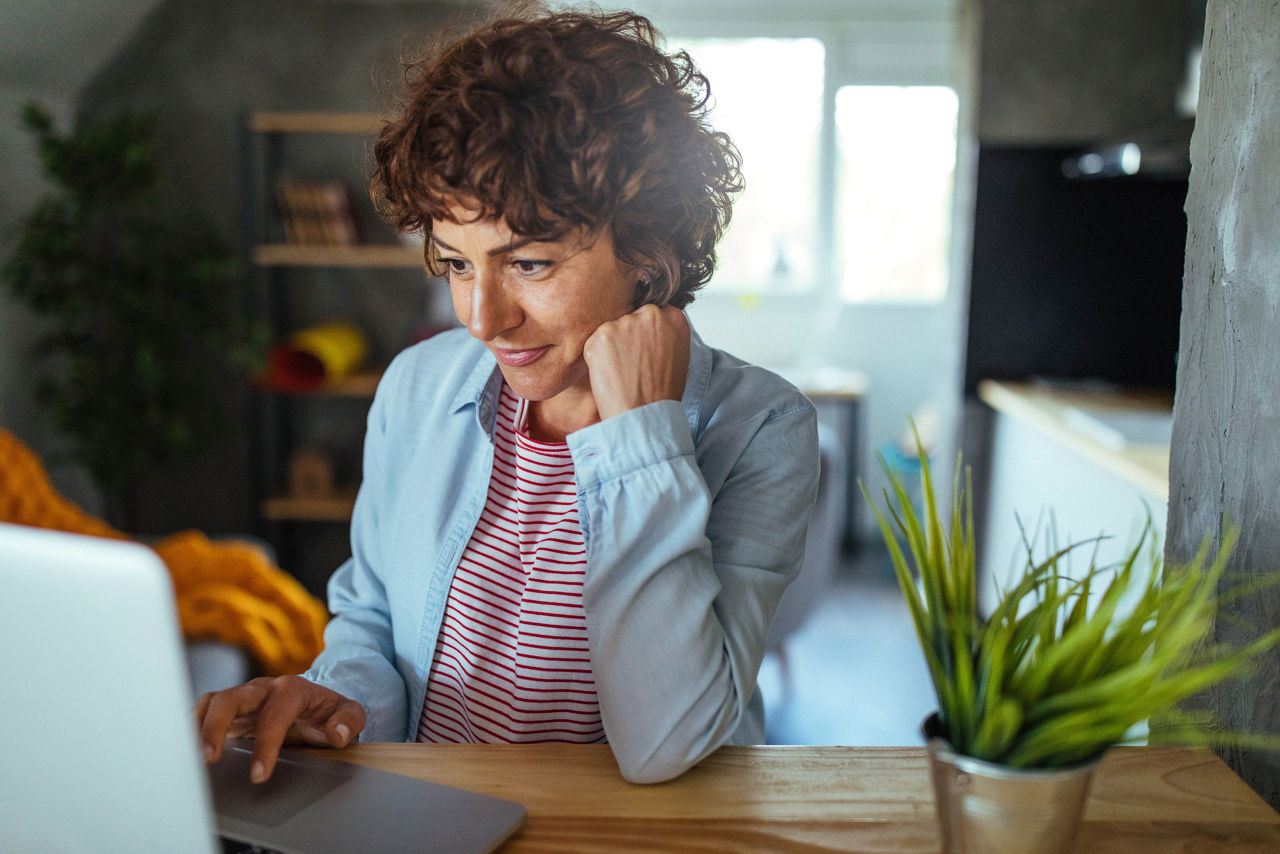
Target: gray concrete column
<point>1226,438</point>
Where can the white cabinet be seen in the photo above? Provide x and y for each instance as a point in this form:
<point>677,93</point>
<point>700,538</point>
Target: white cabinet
<point>1093,459</point>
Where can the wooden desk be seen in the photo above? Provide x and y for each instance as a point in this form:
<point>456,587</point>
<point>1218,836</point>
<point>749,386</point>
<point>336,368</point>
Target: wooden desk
<point>780,799</point>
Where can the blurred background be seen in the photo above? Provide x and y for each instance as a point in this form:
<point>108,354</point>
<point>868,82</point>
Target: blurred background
<point>966,212</point>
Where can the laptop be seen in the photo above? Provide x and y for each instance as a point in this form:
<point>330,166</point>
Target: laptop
<point>98,748</point>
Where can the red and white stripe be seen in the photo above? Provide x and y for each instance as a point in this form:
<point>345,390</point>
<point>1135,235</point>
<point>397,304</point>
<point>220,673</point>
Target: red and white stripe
<point>512,662</point>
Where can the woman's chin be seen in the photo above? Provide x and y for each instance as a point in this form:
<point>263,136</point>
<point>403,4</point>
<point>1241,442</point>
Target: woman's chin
<point>532,388</point>
<point>537,383</point>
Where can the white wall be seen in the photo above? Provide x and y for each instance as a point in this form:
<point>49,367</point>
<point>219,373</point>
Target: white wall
<point>907,352</point>
<point>910,353</point>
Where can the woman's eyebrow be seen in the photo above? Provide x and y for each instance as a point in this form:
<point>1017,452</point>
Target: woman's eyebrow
<point>510,247</point>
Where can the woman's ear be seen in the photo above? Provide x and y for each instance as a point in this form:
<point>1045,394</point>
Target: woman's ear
<point>644,290</point>
<point>645,274</point>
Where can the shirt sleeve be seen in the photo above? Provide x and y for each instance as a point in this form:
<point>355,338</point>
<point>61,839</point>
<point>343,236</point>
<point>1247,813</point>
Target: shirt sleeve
<point>359,645</point>
<point>681,583</point>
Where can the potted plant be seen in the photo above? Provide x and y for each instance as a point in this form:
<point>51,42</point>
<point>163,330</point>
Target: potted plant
<point>1031,696</point>
<point>142,309</point>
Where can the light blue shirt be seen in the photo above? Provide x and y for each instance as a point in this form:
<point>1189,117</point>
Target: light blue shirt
<point>693,514</point>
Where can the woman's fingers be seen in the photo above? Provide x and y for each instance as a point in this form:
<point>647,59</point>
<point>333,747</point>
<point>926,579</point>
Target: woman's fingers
<point>216,713</point>
<point>273,712</point>
<point>202,706</point>
<point>346,722</point>
<point>287,699</point>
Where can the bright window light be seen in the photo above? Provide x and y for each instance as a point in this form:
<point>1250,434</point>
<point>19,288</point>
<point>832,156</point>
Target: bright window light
<point>896,172</point>
<point>775,119</point>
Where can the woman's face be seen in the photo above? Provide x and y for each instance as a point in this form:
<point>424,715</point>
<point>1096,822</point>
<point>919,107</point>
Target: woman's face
<point>533,304</point>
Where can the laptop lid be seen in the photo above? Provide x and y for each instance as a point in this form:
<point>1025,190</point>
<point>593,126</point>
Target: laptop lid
<point>97,743</point>
<point>98,749</point>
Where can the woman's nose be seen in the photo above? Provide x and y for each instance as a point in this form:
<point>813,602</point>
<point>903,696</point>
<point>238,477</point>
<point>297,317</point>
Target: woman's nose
<point>492,309</point>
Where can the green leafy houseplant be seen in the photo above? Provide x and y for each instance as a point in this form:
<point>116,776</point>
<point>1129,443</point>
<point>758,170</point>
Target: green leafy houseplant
<point>1063,668</point>
<point>140,311</point>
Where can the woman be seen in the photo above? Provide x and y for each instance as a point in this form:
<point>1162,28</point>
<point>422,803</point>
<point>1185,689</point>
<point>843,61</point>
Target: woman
<point>577,520</point>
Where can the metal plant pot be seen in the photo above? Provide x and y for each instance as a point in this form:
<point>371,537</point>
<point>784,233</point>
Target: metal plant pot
<point>984,808</point>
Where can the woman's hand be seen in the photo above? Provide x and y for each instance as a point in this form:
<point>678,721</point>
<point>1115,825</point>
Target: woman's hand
<point>640,358</point>
<point>273,712</point>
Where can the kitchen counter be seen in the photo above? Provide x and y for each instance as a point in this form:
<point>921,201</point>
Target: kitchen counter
<point>1125,432</point>
<point>1069,462</point>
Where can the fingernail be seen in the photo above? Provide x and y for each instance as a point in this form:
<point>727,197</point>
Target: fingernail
<point>208,752</point>
<point>343,732</point>
<point>258,772</point>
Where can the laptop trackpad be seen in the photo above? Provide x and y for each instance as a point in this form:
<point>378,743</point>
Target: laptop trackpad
<point>291,788</point>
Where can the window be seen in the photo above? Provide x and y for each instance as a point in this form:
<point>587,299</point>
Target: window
<point>775,120</point>
<point>895,173</point>
<point>848,139</point>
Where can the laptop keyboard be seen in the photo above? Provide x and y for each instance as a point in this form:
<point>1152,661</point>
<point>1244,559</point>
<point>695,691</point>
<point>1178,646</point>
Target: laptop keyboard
<point>233,846</point>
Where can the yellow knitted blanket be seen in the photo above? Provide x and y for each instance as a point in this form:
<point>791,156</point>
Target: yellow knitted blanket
<point>226,591</point>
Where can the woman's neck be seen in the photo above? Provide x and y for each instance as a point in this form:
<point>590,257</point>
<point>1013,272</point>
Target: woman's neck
<point>554,419</point>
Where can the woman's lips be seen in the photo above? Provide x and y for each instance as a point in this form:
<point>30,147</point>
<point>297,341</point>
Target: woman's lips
<point>518,358</point>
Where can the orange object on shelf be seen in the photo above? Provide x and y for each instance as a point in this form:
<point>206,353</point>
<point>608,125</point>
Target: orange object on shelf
<point>227,591</point>
<point>317,356</point>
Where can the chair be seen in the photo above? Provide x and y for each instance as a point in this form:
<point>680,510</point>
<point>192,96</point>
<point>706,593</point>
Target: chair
<point>821,550</point>
<point>229,591</point>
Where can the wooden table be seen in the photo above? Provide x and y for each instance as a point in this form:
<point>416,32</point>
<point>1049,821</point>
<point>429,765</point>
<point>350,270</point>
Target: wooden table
<point>781,799</point>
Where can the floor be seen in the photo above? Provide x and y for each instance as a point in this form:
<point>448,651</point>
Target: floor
<point>854,673</point>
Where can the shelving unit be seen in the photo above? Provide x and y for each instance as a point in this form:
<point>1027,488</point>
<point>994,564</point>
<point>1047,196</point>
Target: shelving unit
<point>333,508</point>
<point>285,255</point>
<point>264,121</point>
<point>269,138</point>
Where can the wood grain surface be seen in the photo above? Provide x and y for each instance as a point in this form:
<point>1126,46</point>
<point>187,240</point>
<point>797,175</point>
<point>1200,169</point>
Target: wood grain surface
<point>782,799</point>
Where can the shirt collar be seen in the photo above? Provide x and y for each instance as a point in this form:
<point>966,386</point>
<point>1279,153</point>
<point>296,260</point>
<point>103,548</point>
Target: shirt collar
<point>484,384</point>
<point>481,389</point>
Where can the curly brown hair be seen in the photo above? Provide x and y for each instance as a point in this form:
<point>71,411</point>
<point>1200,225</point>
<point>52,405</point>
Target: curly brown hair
<point>562,121</point>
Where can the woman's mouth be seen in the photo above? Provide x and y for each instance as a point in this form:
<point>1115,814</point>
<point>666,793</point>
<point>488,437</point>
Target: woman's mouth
<point>519,358</point>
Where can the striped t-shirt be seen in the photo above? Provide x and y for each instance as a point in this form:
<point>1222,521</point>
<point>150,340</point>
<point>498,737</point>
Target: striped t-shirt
<point>511,663</point>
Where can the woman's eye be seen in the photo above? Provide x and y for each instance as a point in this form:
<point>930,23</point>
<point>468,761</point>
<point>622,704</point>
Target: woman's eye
<point>455,265</point>
<point>531,267</point>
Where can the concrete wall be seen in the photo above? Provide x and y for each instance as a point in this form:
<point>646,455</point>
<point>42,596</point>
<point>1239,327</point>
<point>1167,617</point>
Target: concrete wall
<point>47,52</point>
<point>1062,72</point>
<point>1226,437</point>
<point>201,67</point>
<point>19,327</point>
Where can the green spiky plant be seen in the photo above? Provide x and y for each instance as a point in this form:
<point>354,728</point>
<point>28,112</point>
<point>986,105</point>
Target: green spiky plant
<point>1064,668</point>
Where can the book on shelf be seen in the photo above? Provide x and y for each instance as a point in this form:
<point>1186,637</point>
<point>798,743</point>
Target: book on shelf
<point>317,213</point>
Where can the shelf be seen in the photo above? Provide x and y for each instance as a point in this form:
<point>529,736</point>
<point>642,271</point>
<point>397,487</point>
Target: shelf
<point>286,255</point>
<point>287,508</point>
<point>363,384</point>
<point>272,138</point>
<point>357,385</point>
<point>301,122</point>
